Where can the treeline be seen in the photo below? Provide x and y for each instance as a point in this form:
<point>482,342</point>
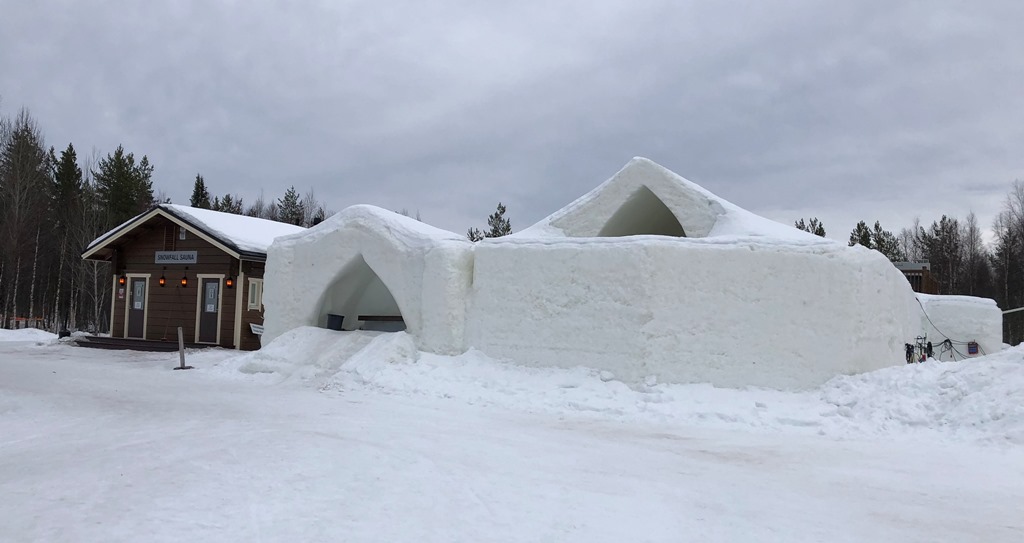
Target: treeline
<point>290,208</point>
<point>959,259</point>
<point>52,205</point>
<point>50,209</point>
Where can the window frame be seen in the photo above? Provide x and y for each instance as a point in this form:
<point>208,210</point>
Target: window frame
<point>254,298</point>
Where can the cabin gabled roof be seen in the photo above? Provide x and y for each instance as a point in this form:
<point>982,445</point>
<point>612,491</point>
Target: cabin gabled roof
<point>243,237</point>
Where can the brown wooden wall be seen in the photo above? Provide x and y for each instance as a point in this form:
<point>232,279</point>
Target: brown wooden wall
<point>173,305</point>
<point>249,340</point>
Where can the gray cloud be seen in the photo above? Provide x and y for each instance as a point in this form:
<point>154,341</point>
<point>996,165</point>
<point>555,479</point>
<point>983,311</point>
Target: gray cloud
<point>791,109</point>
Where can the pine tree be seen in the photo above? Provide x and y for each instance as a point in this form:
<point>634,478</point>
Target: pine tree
<point>25,183</point>
<point>125,188</point>
<point>886,243</point>
<point>475,235</point>
<point>814,226</point>
<point>65,195</point>
<point>499,225</point>
<point>320,216</point>
<point>942,247</point>
<point>200,196</point>
<point>67,210</point>
<point>861,235</point>
<point>289,208</point>
<point>230,204</point>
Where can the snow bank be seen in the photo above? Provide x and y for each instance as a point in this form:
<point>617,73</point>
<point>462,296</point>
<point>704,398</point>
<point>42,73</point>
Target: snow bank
<point>980,399</point>
<point>977,397</point>
<point>27,335</point>
<point>960,319</point>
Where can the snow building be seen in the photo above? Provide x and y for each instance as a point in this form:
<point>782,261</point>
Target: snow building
<point>175,265</point>
<point>646,275</point>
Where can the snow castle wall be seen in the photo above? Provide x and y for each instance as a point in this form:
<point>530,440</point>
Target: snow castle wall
<point>964,319</point>
<point>355,262</point>
<point>731,314</point>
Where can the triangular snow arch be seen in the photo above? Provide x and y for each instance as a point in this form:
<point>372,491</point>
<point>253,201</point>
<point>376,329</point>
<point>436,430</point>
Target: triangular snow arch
<point>358,291</point>
<point>643,213</point>
<point>642,198</point>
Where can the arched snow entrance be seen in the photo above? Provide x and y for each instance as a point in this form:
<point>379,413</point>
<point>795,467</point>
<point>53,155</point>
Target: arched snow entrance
<point>362,299</point>
<point>643,213</point>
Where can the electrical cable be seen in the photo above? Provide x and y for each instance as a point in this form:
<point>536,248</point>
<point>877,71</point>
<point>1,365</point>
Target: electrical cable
<point>948,339</point>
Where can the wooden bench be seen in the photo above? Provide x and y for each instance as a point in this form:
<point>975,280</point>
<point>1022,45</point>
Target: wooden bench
<point>382,323</point>
<point>382,318</point>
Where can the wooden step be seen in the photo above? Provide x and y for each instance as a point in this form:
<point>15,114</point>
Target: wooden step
<point>120,343</point>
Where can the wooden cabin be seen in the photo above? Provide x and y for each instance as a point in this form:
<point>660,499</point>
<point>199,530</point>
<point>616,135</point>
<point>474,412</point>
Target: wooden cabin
<point>920,278</point>
<point>198,269</point>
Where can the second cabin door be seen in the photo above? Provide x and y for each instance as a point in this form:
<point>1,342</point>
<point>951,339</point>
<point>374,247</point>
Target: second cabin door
<point>137,308</point>
<point>209,310</point>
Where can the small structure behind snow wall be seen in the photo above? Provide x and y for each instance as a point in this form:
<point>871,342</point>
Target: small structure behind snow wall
<point>961,320</point>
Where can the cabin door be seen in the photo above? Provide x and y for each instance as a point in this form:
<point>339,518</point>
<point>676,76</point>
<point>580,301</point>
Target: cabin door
<point>137,308</point>
<point>209,310</point>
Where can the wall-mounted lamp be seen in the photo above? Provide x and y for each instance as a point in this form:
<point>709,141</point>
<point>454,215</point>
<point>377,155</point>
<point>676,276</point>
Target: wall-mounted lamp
<point>163,280</point>
<point>122,280</point>
<point>229,282</point>
<point>184,278</point>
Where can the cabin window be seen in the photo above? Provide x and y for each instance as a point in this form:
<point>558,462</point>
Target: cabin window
<point>181,232</point>
<point>255,294</point>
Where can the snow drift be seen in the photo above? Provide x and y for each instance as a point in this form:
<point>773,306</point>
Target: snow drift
<point>647,276</point>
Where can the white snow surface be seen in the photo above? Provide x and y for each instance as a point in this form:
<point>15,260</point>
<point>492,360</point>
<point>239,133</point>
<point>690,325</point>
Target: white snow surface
<point>244,232</point>
<point>961,319</point>
<point>27,335</point>
<point>689,311</point>
<point>357,437</point>
<point>369,261</point>
<point>739,301</point>
<point>701,213</point>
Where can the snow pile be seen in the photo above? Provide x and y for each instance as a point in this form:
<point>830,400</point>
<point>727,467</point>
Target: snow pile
<point>961,319</point>
<point>301,354</point>
<point>979,399</point>
<point>27,335</point>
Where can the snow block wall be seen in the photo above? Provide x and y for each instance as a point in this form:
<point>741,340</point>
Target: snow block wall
<point>961,319</point>
<point>732,315</point>
<point>370,261</point>
<point>646,275</point>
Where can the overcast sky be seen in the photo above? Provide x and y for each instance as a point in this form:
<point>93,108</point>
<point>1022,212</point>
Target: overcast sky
<point>841,110</point>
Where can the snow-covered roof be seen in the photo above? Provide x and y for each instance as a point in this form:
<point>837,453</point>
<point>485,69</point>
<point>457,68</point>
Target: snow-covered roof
<point>388,226</point>
<point>239,235</point>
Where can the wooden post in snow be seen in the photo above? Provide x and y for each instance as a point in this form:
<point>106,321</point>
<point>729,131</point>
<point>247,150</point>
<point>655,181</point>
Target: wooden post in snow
<point>181,351</point>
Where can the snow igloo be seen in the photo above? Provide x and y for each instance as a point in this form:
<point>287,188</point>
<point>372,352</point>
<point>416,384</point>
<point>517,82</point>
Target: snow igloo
<point>646,275</point>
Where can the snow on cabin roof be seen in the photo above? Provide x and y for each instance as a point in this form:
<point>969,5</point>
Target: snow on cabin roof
<point>239,233</point>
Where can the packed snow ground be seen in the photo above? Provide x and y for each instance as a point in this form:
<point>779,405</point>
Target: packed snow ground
<point>357,437</point>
